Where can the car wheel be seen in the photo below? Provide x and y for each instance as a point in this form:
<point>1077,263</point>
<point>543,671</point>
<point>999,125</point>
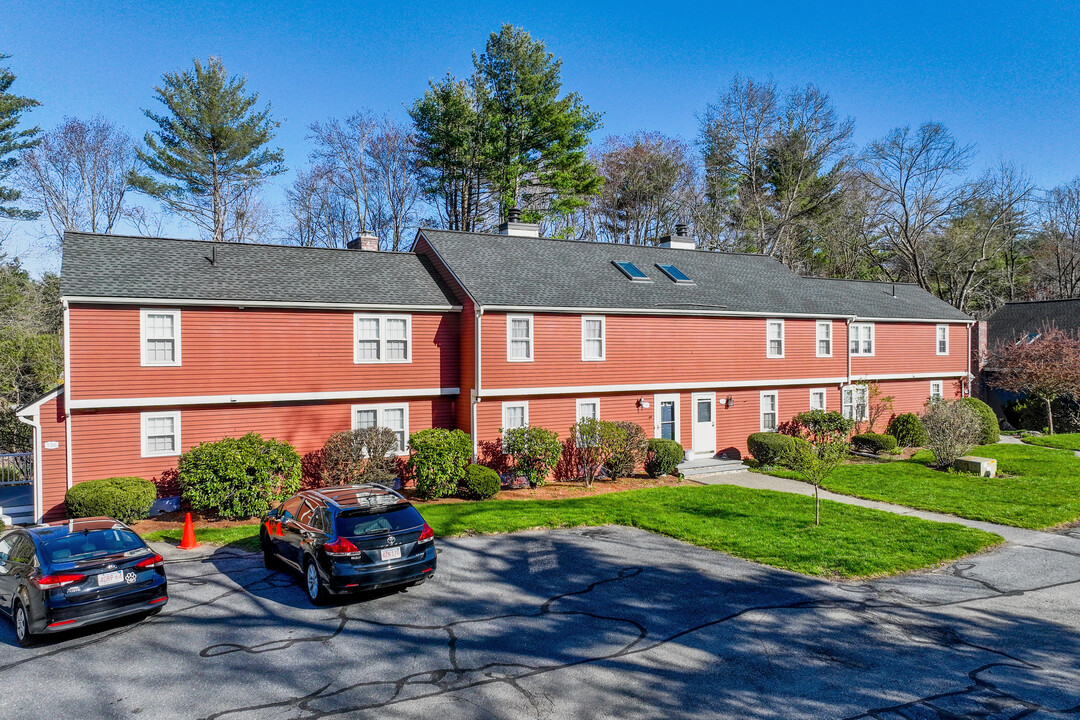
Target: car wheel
<point>21,618</point>
<point>313,584</point>
<point>270,558</point>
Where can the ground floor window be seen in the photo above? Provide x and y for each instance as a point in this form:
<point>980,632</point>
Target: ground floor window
<point>160,434</point>
<point>936,390</point>
<point>770,411</point>
<point>854,404</point>
<point>395,417</point>
<point>817,399</point>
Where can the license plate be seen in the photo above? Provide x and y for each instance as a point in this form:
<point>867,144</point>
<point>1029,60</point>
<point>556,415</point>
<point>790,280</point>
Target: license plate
<point>391,553</point>
<point>110,578</point>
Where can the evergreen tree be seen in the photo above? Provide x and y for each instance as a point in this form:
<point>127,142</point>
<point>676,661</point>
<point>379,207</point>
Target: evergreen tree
<point>13,141</point>
<point>209,152</point>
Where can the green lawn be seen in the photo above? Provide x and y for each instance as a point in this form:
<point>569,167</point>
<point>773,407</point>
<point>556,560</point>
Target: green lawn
<point>1064,441</point>
<point>768,527</point>
<point>1042,490</point>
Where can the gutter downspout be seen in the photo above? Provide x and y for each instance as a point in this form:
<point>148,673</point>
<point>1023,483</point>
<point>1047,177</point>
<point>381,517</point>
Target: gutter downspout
<point>67,389</point>
<point>847,353</point>
<point>478,315</point>
<point>970,377</point>
<point>36,425</point>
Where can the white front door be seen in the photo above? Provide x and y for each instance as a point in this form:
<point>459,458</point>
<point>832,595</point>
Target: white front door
<point>704,411</point>
<point>666,417</point>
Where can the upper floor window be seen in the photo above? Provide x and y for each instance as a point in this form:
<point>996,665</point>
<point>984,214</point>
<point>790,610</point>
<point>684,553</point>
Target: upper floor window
<point>395,417</point>
<point>942,339</point>
<point>775,333</point>
<point>160,337</point>
<point>862,338</point>
<point>382,338</point>
<point>770,411</point>
<point>519,338</point>
<point>592,337</point>
<point>824,338</point>
<point>937,391</point>
<point>160,434</point>
<point>854,404</point>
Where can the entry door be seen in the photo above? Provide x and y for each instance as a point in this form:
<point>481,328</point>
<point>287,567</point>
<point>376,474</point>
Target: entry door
<point>666,417</point>
<point>704,423</point>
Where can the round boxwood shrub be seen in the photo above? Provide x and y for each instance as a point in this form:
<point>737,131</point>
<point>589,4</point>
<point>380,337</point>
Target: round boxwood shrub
<point>481,482</point>
<point>438,460</point>
<point>770,448</point>
<point>239,478</point>
<point>873,443</point>
<point>908,430</point>
<point>990,433</point>
<point>126,499</point>
<point>662,457</point>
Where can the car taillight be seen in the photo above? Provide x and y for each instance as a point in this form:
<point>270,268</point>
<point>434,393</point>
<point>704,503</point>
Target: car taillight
<point>154,560</point>
<point>426,534</point>
<point>48,582</point>
<point>341,546</point>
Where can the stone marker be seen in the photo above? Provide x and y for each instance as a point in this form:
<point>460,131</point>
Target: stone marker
<point>983,467</point>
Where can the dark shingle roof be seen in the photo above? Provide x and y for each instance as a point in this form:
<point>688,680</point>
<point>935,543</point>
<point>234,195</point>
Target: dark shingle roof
<point>119,266</point>
<point>1016,320</point>
<point>536,272</point>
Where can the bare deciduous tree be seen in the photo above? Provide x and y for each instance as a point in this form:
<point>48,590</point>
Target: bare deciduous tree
<point>342,150</point>
<point>318,215</point>
<point>1057,254</point>
<point>396,186</point>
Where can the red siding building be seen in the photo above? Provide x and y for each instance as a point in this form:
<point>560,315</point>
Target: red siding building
<point>170,343</point>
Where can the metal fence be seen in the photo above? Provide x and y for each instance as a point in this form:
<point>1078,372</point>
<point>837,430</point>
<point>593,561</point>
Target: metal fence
<point>17,469</point>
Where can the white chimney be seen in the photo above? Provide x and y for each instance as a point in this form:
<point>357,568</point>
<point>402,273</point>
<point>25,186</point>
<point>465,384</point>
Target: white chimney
<point>681,240</point>
<point>514,226</point>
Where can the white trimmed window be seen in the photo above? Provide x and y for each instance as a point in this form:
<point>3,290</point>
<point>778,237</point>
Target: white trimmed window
<point>862,338</point>
<point>824,338</point>
<point>519,338</point>
<point>775,338</point>
<point>160,434</point>
<point>770,411</point>
<point>942,339</point>
<point>160,332</point>
<point>514,415</point>
<point>817,399</point>
<point>382,338</point>
<point>593,341</point>
<point>937,390</point>
<point>588,409</point>
<point>395,417</point>
<point>854,404</point>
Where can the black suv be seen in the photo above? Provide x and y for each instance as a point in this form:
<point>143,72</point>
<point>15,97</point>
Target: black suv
<point>67,574</point>
<point>349,538</point>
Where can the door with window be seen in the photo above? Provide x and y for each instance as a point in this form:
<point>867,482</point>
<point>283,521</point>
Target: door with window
<point>704,434</point>
<point>666,417</point>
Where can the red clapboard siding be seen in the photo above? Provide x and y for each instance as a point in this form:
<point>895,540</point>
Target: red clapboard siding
<point>228,351</point>
<point>912,348</point>
<point>467,379</point>
<point>53,462</point>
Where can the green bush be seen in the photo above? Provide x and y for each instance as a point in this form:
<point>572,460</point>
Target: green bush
<point>359,456</point>
<point>662,457</point>
<point>535,452</point>
<point>481,482</point>
<point>629,452</point>
<point>873,443</point>
<point>126,499</point>
<point>239,478</point>
<point>908,430</point>
<point>594,442</point>
<point>770,448</point>
<point>438,461</point>
<point>988,421</point>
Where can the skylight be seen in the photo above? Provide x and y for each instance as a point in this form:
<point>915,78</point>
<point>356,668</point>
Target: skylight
<point>675,274</point>
<point>632,271</point>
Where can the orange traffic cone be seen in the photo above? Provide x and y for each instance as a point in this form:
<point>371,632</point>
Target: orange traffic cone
<point>187,542</point>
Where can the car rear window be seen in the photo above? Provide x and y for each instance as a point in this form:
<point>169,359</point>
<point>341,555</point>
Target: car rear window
<point>91,544</point>
<point>351,525</point>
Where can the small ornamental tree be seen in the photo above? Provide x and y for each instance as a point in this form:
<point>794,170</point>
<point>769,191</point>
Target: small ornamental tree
<point>630,451</point>
<point>953,428</point>
<point>1043,368</point>
<point>359,456</point>
<point>535,452</point>
<point>597,441</point>
<point>825,447</point>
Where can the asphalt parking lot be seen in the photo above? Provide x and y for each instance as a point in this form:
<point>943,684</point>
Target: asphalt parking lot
<point>604,622</point>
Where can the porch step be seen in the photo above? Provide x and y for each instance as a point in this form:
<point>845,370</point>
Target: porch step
<point>17,515</point>
<point>707,467</point>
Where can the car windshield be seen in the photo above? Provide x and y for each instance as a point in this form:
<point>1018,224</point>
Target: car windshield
<point>91,544</point>
<point>351,525</point>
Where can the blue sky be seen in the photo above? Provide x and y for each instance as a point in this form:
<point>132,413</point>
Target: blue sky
<point>1005,76</point>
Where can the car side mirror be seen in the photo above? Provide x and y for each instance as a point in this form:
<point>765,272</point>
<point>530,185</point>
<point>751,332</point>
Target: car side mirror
<point>272,513</point>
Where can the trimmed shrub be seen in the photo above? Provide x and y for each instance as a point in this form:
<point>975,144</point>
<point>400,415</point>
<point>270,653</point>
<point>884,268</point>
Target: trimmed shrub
<point>359,456</point>
<point>438,461</point>
<point>770,448</point>
<point>873,443</point>
<point>988,421</point>
<point>908,430</point>
<point>592,443</point>
<point>239,478</point>
<point>629,452</point>
<point>126,499</point>
<point>663,457</point>
<point>480,483</point>
<point>953,428</point>
<point>535,451</point>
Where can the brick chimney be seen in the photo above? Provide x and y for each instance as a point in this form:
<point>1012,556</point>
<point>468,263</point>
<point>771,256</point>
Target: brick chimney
<point>364,242</point>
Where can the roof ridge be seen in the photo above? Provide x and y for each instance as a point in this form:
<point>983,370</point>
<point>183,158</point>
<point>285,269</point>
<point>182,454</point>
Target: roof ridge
<point>860,280</point>
<point>288,246</point>
<point>1035,302</point>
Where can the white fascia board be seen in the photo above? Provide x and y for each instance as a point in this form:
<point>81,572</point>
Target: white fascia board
<point>97,404</point>
<point>909,376</point>
<point>88,299</point>
<point>859,318</point>
<point>652,311</point>
<point>32,409</point>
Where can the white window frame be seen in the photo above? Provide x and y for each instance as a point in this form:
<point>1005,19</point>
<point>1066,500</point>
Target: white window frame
<point>937,339</point>
<point>509,338</point>
<point>146,362</point>
<point>817,338</point>
<point>768,340</point>
<point>502,417</point>
<point>147,452</point>
<point>939,385</point>
<point>865,392</point>
<point>603,338</point>
<point>581,401</point>
<point>383,340</point>
<point>670,397</point>
<point>858,347</point>
<point>775,394</point>
<point>824,398</point>
<point>379,410</point>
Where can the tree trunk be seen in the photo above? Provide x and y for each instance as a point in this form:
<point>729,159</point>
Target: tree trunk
<point>1049,415</point>
<point>817,507</point>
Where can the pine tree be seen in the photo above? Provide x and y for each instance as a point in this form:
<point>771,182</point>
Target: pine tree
<point>13,141</point>
<point>209,152</point>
